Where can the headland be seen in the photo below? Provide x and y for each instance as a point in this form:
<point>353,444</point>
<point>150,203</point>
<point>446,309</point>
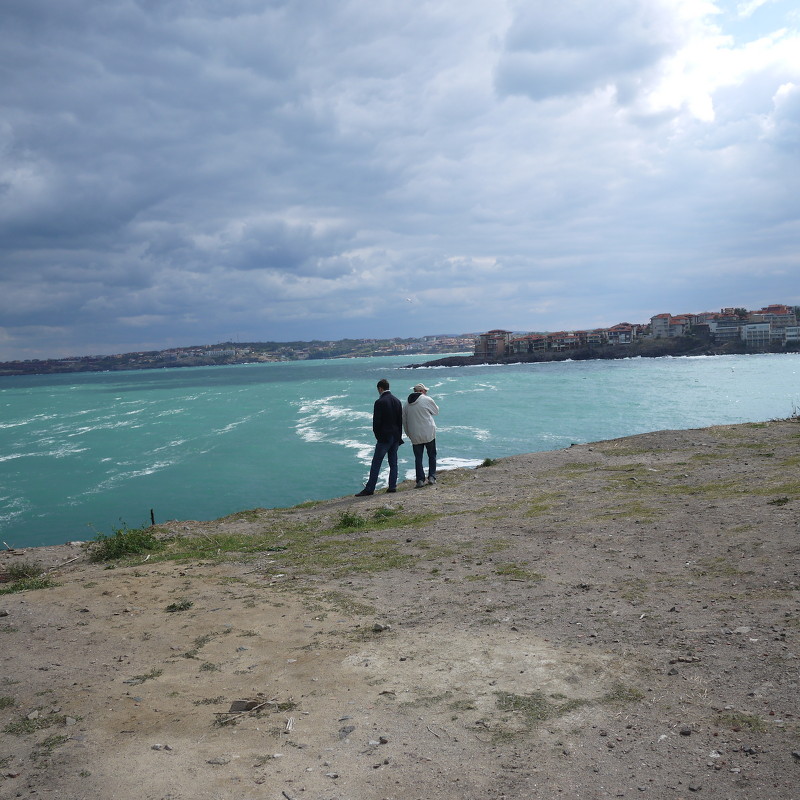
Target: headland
<point>614,619</point>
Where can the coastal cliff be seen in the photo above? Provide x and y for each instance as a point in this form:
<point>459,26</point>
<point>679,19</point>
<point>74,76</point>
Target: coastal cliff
<point>612,619</point>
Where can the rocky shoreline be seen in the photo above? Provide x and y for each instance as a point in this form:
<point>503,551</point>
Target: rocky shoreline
<point>645,348</point>
<point>615,619</point>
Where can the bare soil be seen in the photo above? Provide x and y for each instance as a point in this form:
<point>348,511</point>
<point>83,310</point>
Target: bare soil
<point>617,619</point>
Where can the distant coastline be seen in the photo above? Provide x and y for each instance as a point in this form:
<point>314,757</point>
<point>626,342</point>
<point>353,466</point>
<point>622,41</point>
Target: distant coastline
<point>229,353</point>
<point>643,348</point>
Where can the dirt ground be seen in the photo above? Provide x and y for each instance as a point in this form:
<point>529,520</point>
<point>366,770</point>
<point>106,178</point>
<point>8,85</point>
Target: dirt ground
<point>617,619</point>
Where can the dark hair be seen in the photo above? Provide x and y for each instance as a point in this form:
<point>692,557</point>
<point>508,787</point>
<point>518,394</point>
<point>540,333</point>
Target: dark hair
<point>383,384</point>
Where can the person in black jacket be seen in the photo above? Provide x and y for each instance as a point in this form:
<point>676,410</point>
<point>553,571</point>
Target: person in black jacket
<point>387,425</point>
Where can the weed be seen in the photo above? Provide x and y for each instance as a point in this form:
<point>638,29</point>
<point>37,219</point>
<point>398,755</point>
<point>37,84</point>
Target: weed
<point>207,666</point>
<point>8,629</point>
<point>49,744</point>
<point>6,702</point>
<point>180,605</point>
<point>123,542</point>
<point>778,501</point>
<point>488,462</point>
<point>210,701</point>
<point>23,570</point>
<point>349,520</point>
<point>137,679</point>
<point>385,513</point>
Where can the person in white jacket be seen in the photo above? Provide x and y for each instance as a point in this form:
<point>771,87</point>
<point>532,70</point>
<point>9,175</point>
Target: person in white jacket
<point>418,414</point>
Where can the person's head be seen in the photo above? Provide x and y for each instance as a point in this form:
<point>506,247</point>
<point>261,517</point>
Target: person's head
<point>383,385</point>
<point>421,388</point>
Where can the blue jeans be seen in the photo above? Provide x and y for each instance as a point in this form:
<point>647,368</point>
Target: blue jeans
<point>387,448</point>
<point>419,449</point>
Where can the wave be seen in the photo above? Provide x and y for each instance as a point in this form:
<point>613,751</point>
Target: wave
<point>480,434</point>
<point>62,452</point>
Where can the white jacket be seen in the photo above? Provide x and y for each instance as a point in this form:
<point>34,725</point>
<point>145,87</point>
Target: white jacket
<point>418,419</point>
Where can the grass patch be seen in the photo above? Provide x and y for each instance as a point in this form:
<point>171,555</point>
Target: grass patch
<point>633,589</point>
<point>6,702</point>
<point>249,515</point>
<point>46,747</point>
<point>23,726</point>
<point>26,584</point>
<point>718,567</point>
<point>487,462</point>
<point>516,572</point>
<point>495,546</point>
<point>740,721</point>
<point>535,708</point>
<point>308,504</point>
<point>633,510</point>
<point>124,542</point>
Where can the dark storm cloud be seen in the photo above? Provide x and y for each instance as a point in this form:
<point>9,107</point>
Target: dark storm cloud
<point>185,171</point>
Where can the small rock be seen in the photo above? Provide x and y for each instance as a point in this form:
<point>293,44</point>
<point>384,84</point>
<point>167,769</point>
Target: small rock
<point>219,760</point>
<point>673,671</point>
<point>686,731</point>
<point>379,627</point>
<point>796,754</point>
<point>331,774</point>
<point>70,721</point>
<point>3,612</point>
<point>383,740</point>
<point>346,731</point>
<point>33,715</point>
<point>742,629</point>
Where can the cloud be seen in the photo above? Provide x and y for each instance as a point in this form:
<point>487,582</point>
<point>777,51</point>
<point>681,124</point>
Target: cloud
<point>180,172</point>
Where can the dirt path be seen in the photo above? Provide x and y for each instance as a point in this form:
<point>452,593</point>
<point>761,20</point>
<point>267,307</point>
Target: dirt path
<point>618,619</point>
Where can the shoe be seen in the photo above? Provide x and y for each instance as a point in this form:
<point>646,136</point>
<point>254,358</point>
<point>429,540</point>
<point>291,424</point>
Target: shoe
<point>363,493</point>
<point>420,484</point>
<point>431,479</point>
<point>391,491</point>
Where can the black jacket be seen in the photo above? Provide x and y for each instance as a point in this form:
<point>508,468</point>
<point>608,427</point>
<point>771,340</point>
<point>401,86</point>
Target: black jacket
<point>387,418</point>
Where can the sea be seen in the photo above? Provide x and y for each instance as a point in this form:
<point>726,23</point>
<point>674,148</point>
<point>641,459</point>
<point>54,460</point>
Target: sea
<point>85,454</point>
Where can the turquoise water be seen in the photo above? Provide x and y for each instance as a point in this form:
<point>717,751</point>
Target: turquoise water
<point>81,454</point>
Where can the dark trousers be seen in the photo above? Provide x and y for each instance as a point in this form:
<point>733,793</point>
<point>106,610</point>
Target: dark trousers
<point>419,449</point>
<point>387,448</point>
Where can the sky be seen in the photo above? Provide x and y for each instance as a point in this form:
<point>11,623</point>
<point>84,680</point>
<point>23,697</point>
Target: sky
<point>180,172</point>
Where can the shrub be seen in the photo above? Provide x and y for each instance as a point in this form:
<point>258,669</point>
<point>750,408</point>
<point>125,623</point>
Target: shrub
<point>123,542</point>
<point>23,570</point>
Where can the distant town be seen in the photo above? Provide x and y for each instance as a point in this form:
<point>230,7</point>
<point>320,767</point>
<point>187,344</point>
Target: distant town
<point>773,328</point>
<point>242,353</point>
